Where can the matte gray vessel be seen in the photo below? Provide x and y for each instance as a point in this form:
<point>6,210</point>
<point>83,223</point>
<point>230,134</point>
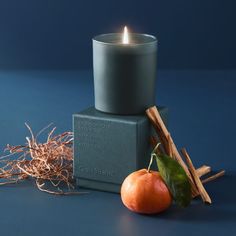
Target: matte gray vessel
<point>124,74</point>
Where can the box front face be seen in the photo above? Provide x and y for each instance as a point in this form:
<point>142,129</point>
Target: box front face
<point>104,150</point>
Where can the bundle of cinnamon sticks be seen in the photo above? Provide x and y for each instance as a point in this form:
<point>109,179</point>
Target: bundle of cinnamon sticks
<point>168,147</point>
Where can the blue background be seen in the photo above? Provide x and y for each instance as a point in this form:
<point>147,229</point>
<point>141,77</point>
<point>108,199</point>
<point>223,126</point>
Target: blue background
<point>194,36</point>
<point>57,34</point>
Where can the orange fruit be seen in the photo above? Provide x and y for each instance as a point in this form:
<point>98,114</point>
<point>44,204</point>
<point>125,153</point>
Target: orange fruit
<point>145,192</point>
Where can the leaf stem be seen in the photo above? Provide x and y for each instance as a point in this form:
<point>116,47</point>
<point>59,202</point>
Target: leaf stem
<point>150,163</point>
<point>153,154</point>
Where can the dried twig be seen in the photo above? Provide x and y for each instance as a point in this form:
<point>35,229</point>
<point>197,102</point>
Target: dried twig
<point>51,161</point>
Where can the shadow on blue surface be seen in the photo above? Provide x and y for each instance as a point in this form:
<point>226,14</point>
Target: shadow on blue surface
<point>223,208</point>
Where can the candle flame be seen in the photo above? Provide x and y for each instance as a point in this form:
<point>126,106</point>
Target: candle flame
<point>125,36</point>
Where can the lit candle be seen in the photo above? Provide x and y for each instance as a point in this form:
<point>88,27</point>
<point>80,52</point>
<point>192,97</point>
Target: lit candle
<point>124,66</point>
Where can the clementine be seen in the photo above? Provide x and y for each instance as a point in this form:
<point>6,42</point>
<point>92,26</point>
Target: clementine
<point>145,192</point>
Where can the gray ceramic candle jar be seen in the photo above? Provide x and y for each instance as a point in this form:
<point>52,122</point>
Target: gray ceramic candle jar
<point>124,74</point>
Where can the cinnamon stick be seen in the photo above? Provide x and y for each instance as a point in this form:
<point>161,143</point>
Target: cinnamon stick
<point>153,141</point>
<point>203,193</point>
<point>213,177</point>
<point>164,134</point>
<point>203,170</point>
<point>168,142</point>
<point>170,151</point>
<point>157,127</point>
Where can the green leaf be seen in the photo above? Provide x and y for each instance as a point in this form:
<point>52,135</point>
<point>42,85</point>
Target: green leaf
<point>175,178</point>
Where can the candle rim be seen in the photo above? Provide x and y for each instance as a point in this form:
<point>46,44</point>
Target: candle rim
<point>152,38</point>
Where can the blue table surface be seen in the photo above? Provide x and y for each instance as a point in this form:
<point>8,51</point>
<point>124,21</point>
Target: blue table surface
<point>202,107</point>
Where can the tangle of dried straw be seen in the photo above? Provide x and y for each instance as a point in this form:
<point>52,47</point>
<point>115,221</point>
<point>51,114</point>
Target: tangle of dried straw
<point>48,162</point>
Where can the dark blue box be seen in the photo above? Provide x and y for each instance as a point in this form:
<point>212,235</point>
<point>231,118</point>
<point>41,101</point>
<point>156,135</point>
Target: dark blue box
<point>109,147</point>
